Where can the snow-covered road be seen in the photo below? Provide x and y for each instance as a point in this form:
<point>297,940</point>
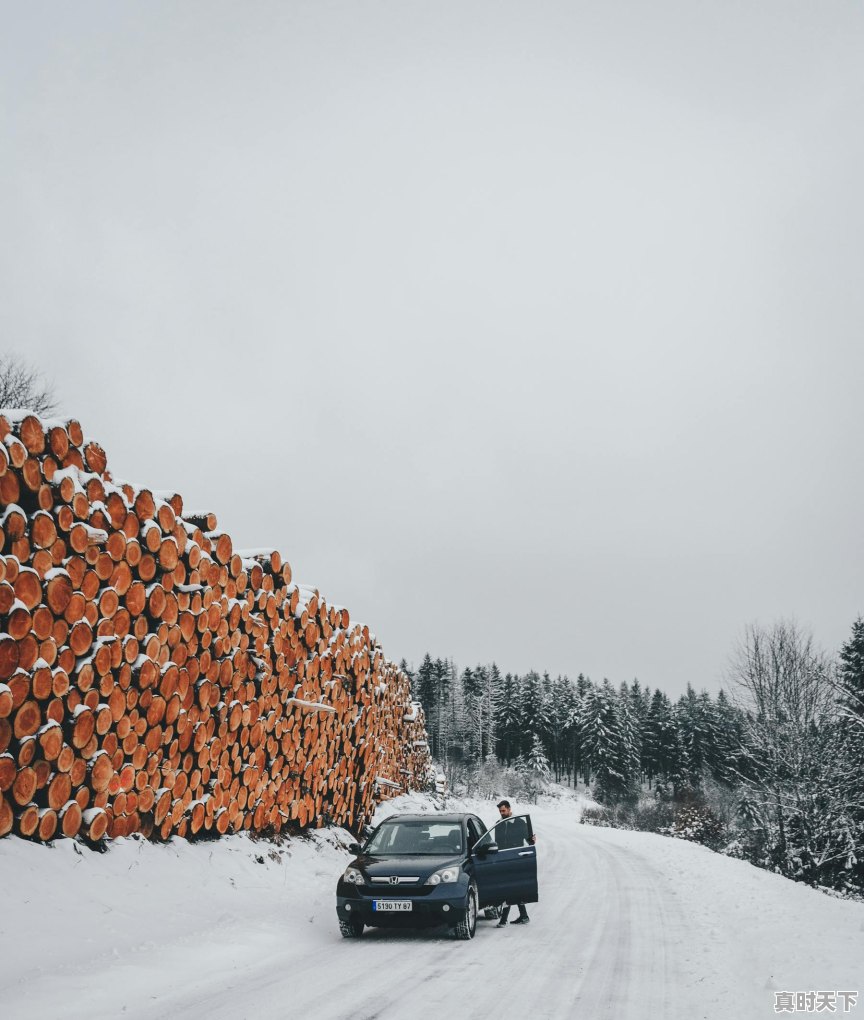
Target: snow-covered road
<point>628,925</point>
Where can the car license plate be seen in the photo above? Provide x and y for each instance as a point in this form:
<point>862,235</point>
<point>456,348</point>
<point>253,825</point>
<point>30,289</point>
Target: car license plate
<point>385,906</point>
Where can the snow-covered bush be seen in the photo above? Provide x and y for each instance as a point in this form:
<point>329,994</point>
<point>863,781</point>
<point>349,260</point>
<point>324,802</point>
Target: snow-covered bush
<point>735,849</point>
<point>699,824</point>
<point>651,815</point>
<point>646,815</point>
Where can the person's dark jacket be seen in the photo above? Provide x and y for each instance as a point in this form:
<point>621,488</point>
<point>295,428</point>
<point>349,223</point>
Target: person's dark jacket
<point>512,832</point>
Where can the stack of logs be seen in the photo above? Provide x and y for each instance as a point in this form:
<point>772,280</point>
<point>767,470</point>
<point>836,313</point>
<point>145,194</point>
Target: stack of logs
<point>155,680</point>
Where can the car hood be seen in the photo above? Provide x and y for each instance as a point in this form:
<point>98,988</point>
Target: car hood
<point>421,865</point>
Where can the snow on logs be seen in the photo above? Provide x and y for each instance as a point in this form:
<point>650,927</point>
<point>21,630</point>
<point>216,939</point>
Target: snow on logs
<point>154,679</point>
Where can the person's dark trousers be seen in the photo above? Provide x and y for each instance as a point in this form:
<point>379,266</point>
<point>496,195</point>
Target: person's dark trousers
<point>523,917</point>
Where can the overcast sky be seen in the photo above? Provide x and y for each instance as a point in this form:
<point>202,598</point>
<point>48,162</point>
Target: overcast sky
<point>528,331</point>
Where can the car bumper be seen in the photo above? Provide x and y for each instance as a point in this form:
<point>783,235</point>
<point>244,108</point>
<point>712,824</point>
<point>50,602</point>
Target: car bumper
<point>426,911</point>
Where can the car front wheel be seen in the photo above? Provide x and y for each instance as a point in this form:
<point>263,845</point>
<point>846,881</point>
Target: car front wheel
<point>468,925</point>
<point>351,929</point>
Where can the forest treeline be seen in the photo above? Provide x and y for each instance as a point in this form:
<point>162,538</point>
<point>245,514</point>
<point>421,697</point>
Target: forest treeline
<point>772,771</point>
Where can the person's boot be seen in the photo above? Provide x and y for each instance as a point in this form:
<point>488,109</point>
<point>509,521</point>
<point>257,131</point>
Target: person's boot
<point>502,923</point>
<point>522,919</point>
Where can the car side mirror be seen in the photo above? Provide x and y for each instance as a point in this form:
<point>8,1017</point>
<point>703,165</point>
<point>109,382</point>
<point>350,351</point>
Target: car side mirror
<point>355,848</point>
<point>487,848</point>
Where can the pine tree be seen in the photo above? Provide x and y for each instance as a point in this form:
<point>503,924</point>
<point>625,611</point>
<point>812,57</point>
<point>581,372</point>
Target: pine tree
<point>630,753</point>
<point>727,732</point>
<point>640,706</point>
<point>447,713</point>
<point>682,766</point>
<point>562,706</point>
<point>472,694</point>
<point>640,702</point>
<point>425,688</point>
<point>580,764</point>
<point>852,674</point>
<point>508,719</point>
<point>481,688</point>
<point>659,745</point>
<point>537,760</point>
<point>534,711</point>
<point>602,743</point>
<point>490,694</point>
<point>692,734</point>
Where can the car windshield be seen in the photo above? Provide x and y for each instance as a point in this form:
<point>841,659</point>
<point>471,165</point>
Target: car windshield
<point>416,837</point>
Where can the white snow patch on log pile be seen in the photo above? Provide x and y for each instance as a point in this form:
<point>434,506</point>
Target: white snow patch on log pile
<point>317,705</point>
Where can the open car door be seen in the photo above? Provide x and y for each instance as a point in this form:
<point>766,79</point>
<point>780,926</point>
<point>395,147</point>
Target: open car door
<point>505,863</point>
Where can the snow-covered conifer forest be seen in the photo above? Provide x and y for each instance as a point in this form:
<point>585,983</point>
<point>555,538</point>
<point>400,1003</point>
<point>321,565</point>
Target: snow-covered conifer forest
<point>769,769</point>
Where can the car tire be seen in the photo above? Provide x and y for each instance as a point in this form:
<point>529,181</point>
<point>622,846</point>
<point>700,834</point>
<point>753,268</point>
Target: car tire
<point>465,929</point>
<point>351,929</point>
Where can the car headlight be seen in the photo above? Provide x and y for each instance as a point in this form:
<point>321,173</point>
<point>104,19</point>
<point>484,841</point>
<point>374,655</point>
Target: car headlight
<point>450,874</point>
<point>354,876</point>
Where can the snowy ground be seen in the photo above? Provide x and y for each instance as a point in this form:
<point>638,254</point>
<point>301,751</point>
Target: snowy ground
<point>629,925</point>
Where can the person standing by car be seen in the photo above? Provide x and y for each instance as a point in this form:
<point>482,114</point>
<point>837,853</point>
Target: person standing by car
<point>510,833</point>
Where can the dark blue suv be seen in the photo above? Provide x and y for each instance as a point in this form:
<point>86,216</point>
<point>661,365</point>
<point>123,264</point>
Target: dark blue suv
<point>423,871</point>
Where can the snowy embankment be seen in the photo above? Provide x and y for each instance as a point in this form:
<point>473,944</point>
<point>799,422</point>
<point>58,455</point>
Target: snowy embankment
<point>628,925</point>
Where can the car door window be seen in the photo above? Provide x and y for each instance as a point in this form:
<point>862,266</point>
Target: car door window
<point>509,833</point>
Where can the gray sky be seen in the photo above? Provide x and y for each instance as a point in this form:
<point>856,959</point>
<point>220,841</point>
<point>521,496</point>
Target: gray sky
<point>528,331</point>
